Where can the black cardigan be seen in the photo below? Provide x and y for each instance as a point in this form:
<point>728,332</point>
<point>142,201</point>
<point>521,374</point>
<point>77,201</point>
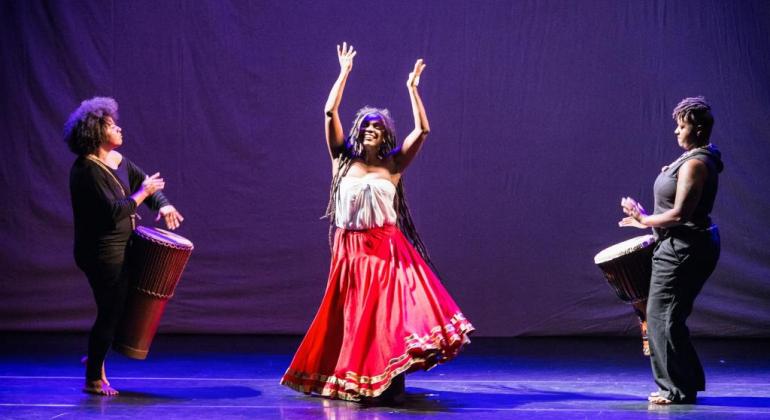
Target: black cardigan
<point>102,211</point>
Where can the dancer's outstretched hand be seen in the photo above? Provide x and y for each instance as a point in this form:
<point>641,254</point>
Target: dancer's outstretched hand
<point>414,76</point>
<point>345,55</point>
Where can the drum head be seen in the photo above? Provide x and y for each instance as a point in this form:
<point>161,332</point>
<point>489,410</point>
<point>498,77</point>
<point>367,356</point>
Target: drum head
<point>624,248</point>
<point>163,236</point>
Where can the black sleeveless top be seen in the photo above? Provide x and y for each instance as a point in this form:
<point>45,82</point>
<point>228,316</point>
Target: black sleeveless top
<point>665,189</point>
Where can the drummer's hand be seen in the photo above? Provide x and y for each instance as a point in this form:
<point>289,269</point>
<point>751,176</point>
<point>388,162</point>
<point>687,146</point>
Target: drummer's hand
<point>631,222</point>
<point>153,183</point>
<point>632,208</point>
<point>171,216</point>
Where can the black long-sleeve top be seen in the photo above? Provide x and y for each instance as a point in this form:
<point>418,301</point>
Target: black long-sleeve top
<point>102,209</point>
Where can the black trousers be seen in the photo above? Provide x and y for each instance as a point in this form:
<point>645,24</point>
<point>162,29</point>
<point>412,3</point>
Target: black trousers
<point>681,264</point>
<point>109,285</point>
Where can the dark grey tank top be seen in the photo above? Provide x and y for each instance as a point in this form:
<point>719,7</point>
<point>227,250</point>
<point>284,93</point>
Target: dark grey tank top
<point>665,188</point>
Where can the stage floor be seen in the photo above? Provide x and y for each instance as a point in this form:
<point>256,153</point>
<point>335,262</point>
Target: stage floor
<point>191,377</point>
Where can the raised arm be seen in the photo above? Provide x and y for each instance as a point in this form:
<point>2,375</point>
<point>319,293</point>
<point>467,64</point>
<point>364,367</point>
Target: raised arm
<point>415,139</point>
<point>334,135</point>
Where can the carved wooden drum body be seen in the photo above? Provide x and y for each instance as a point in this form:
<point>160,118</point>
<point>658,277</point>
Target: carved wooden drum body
<point>155,261</point>
<point>627,266</point>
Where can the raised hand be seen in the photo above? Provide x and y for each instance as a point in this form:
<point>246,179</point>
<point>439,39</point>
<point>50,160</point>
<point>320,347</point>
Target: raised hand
<point>634,211</point>
<point>153,183</point>
<point>414,76</point>
<point>171,216</point>
<point>345,55</point>
<point>632,208</point>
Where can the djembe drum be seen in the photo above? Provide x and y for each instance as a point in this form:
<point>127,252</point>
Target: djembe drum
<point>156,260</point>
<point>628,267</point>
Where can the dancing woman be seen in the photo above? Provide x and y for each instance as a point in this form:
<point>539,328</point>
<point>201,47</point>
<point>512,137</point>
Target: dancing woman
<point>384,313</point>
<point>106,188</point>
<point>686,254</point>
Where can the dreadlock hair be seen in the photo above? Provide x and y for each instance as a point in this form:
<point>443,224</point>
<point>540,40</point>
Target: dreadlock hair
<point>85,129</point>
<point>354,149</point>
<point>697,112</point>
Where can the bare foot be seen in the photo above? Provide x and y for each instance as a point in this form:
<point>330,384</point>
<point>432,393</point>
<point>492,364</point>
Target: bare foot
<point>84,360</point>
<point>98,387</point>
<point>658,400</point>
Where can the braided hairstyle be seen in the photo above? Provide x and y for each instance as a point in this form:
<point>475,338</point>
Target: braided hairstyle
<point>354,149</point>
<point>696,111</point>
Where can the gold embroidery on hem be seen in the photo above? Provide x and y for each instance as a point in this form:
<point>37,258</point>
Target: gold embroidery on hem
<point>350,388</point>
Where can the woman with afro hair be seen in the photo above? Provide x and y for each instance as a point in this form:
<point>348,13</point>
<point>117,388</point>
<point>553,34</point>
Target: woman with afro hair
<point>106,188</point>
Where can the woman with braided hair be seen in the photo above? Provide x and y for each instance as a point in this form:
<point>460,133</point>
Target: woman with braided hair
<point>385,312</point>
<point>686,253</point>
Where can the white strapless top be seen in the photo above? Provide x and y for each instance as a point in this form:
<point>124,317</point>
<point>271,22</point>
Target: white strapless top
<point>364,203</point>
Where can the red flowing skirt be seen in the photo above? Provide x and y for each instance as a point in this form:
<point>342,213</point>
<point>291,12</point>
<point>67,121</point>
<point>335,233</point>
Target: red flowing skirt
<point>384,313</point>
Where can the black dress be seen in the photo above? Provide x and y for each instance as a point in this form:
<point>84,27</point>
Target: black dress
<point>684,258</point>
<point>104,216</point>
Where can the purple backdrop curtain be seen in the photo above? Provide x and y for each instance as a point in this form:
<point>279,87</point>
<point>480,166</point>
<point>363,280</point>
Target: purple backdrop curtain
<point>543,114</point>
